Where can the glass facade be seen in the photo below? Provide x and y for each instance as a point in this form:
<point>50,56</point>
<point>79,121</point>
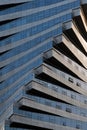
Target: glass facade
<point>27,30</point>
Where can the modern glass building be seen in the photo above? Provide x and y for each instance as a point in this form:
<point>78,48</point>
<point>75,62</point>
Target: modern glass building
<point>43,64</point>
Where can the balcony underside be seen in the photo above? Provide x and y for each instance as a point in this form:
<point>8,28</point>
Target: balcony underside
<point>84,6</point>
<point>79,17</point>
<point>43,91</point>
<point>65,46</point>
<point>75,37</point>
<point>45,73</point>
<point>57,59</point>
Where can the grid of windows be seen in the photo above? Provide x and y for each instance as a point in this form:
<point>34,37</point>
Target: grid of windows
<point>26,33</point>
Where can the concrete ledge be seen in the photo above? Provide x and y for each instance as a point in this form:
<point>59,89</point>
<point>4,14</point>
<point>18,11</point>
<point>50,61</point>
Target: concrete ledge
<point>71,26</point>
<point>38,123</point>
<point>50,73</point>
<point>78,15</point>
<point>32,104</point>
<point>83,2</point>
<point>38,87</point>
<point>63,39</point>
<point>67,62</point>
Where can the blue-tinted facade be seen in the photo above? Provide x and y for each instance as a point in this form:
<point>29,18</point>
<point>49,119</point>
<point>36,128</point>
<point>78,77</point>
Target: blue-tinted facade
<point>27,32</point>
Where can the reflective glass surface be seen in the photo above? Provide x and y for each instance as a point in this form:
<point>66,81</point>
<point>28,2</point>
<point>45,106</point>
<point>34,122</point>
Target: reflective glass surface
<point>26,32</point>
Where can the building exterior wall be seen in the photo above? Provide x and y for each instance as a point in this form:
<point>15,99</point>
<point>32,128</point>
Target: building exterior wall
<point>34,38</point>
